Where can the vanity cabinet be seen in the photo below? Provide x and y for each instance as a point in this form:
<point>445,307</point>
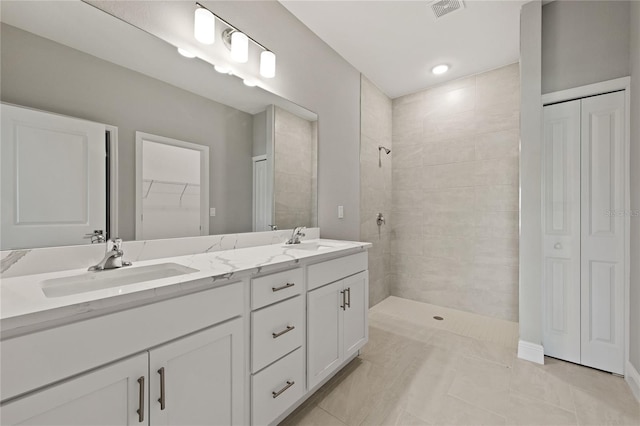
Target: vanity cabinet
<point>337,325</point>
<point>195,380</point>
<point>107,396</point>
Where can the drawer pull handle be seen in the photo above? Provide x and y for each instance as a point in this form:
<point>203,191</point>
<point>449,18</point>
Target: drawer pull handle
<point>344,300</point>
<point>286,330</point>
<point>140,410</point>
<point>161,400</point>
<point>348,290</point>
<point>288,385</point>
<point>287,285</point>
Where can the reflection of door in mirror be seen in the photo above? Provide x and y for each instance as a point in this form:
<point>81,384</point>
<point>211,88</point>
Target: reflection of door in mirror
<point>261,203</point>
<point>53,179</point>
<point>172,188</point>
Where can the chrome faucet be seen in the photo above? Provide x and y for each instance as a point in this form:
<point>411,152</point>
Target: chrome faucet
<point>295,236</point>
<point>112,258</point>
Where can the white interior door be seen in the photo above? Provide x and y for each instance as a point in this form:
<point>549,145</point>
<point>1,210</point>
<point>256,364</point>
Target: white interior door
<point>561,230</point>
<point>261,211</point>
<point>603,232</point>
<point>53,179</point>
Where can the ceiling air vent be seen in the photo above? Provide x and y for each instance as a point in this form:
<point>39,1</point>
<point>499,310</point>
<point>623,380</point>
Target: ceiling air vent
<point>444,7</point>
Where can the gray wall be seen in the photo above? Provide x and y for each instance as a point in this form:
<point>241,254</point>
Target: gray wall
<point>530,295</point>
<point>313,75</point>
<point>455,194</point>
<point>635,189</point>
<point>584,42</point>
<point>41,74</point>
<point>375,187</point>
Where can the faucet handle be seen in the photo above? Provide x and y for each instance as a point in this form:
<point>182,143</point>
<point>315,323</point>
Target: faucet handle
<point>114,244</point>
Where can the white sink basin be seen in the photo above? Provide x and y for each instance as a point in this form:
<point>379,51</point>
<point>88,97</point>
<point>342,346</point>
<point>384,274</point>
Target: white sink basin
<point>314,245</point>
<point>99,280</point>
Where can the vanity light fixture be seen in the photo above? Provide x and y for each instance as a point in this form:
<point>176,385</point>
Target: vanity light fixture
<point>237,42</point>
<point>440,69</point>
<point>239,47</point>
<point>204,26</point>
<point>185,53</point>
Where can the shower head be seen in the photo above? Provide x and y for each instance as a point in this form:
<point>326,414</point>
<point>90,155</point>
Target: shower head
<point>386,150</point>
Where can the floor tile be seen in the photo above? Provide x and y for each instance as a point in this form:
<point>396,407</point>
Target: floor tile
<point>460,371</point>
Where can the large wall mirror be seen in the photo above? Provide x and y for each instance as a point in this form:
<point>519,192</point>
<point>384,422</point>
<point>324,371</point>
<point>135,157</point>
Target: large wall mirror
<point>80,86</point>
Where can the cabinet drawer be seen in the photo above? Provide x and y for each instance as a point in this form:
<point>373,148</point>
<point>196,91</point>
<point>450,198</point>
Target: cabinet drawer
<point>272,288</point>
<point>336,269</point>
<point>276,331</point>
<point>277,388</point>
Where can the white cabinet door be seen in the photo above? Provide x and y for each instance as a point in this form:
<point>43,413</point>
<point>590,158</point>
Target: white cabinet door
<point>561,231</point>
<point>108,396</point>
<point>203,378</point>
<point>355,324</point>
<point>324,332</point>
<point>53,179</point>
<point>603,231</point>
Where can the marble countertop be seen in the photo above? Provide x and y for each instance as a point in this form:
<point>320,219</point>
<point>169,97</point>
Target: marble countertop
<point>23,304</point>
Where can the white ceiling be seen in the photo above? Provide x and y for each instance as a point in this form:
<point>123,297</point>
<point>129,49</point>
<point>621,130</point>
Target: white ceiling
<point>396,43</point>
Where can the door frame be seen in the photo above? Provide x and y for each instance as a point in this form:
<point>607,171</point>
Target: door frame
<point>601,88</point>
<point>204,177</point>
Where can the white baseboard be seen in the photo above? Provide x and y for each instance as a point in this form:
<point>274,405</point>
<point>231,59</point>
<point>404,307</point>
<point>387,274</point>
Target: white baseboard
<point>530,352</point>
<point>632,377</point>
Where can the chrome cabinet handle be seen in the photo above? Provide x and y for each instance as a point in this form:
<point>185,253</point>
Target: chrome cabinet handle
<point>286,330</point>
<point>344,300</point>
<point>140,409</point>
<point>348,297</point>
<point>161,400</point>
<point>287,386</point>
<point>287,285</point>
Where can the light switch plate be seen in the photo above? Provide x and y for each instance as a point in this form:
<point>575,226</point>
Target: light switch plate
<point>212,211</point>
<point>340,212</point>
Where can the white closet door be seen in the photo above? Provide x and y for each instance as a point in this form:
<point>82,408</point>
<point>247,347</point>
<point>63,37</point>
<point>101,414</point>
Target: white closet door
<point>603,228</point>
<point>53,179</point>
<point>561,230</point>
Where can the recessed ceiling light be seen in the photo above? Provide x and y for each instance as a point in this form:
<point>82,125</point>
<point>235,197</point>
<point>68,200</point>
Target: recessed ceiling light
<point>440,69</point>
<point>185,53</point>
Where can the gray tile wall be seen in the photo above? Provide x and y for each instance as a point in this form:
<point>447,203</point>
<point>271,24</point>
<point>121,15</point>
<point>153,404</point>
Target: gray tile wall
<point>375,186</point>
<point>455,194</point>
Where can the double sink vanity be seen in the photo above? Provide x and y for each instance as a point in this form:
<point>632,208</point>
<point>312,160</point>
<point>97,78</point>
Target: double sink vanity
<point>230,337</point>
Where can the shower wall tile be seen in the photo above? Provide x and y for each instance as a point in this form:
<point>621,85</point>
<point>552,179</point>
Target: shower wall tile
<point>454,234</point>
<point>376,179</point>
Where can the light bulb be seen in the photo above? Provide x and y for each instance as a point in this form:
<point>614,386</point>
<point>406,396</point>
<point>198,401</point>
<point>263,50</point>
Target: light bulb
<point>204,26</point>
<point>185,53</point>
<point>249,83</point>
<point>221,69</point>
<point>440,69</point>
<point>239,47</point>
<point>268,64</point>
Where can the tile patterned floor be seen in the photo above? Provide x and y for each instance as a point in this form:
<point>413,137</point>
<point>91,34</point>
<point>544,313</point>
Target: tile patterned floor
<point>460,371</point>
